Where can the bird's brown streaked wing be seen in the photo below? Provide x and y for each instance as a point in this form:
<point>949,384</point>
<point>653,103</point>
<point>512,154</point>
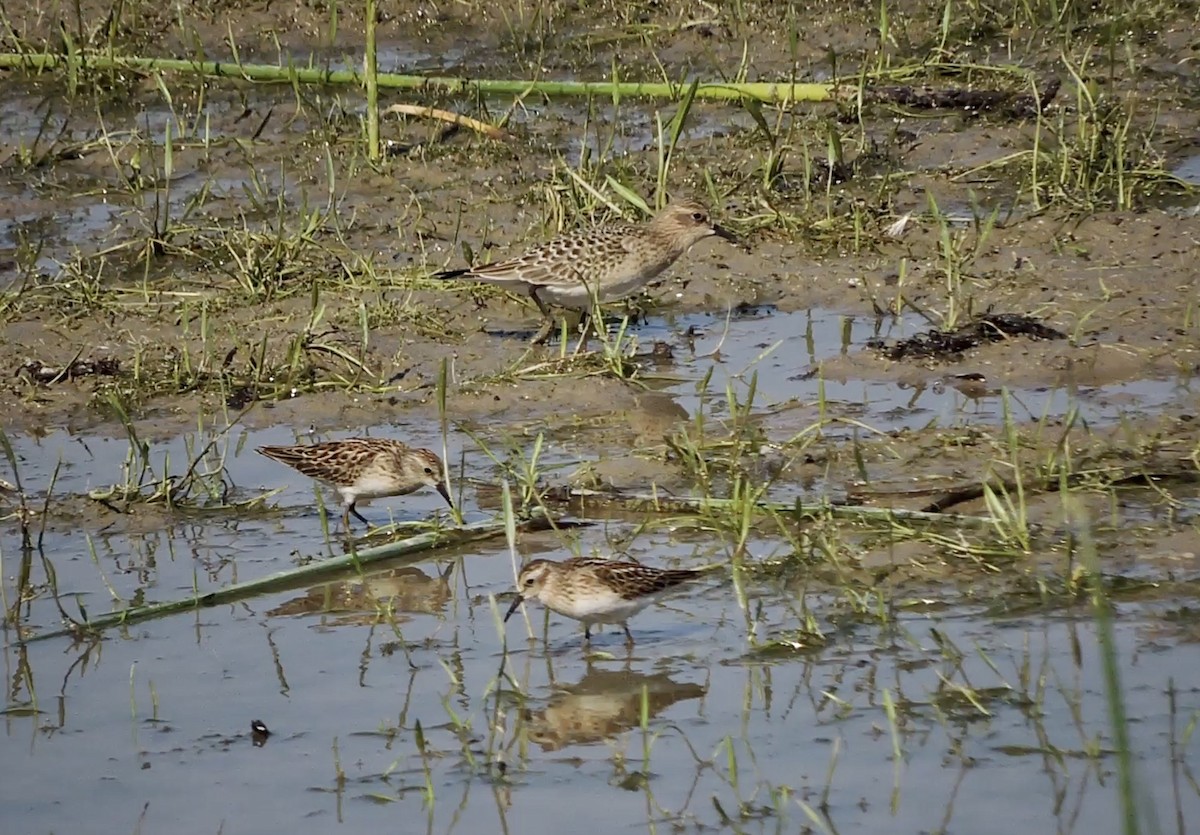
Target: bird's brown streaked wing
<point>544,264</point>
<point>300,463</point>
<point>282,454</point>
<point>522,270</point>
<point>633,580</point>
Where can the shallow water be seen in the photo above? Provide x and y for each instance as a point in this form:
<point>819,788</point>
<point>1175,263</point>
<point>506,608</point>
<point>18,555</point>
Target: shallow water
<point>785,353</point>
<point>152,724</point>
<point>151,727</point>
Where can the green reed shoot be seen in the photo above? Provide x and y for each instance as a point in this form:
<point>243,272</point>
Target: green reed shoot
<point>423,749</point>
<point>819,821</point>
<point>443,383</point>
<point>510,536</point>
<point>644,727</point>
<point>889,710</point>
<point>371,79</point>
<point>338,771</point>
<point>1009,508</point>
<point>668,142</point>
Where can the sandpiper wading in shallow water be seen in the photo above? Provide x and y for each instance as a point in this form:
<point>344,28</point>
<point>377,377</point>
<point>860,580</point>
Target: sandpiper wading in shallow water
<point>593,590</point>
<point>364,468</point>
<point>604,263</point>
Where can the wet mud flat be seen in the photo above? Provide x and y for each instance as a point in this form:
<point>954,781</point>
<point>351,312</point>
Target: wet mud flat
<point>934,421</point>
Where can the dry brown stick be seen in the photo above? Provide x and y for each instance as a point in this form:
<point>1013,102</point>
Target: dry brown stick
<point>1115,477</point>
<point>453,118</point>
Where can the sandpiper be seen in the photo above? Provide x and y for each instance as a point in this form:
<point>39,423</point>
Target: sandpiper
<point>364,468</point>
<point>600,264</point>
<point>593,590</point>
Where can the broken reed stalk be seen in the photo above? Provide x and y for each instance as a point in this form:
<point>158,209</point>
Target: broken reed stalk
<point>354,561</point>
<point>658,503</point>
<point>760,91</point>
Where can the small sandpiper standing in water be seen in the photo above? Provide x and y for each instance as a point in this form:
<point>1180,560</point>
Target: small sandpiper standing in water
<point>601,264</point>
<point>364,468</point>
<point>593,590</point>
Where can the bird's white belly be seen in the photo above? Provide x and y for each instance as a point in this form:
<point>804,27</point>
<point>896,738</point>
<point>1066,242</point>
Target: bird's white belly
<point>372,487</point>
<point>601,608</point>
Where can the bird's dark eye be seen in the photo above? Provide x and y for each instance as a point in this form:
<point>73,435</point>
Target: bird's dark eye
<point>528,582</point>
<point>698,217</point>
<point>428,471</point>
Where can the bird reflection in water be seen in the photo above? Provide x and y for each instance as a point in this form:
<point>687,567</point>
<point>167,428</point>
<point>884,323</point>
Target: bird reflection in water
<point>371,598</point>
<point>601,705</point>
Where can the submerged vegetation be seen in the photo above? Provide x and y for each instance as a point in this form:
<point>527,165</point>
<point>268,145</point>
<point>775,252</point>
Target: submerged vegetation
<point>220,234</point>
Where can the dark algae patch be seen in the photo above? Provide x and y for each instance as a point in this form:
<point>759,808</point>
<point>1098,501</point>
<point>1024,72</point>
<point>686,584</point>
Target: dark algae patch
<point>949,346</point>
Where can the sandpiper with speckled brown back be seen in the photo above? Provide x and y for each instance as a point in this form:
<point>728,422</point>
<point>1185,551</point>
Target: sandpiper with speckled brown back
<point>364,468</point>
<point>600,264</point>
<point>593,590</point>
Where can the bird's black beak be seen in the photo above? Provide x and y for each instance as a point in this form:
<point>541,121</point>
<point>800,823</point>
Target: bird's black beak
<point>515,605</point>
<point>445,491</point>
<point>722,232</point>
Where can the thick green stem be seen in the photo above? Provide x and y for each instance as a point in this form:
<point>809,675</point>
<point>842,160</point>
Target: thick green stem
<point>315,571</point>
<point>760,91</point>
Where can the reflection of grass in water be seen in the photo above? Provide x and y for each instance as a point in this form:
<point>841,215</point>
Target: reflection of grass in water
<point>1114,695</point>
<point>24,514</point>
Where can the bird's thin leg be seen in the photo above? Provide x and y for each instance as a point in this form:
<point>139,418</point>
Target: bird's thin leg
<point>543,332</point>
<point>350,508</point>
<point>587,633</point>
<point>541,305</point>
<point>628,635</point>
<point>547,316</point>
<point>346,518</point>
